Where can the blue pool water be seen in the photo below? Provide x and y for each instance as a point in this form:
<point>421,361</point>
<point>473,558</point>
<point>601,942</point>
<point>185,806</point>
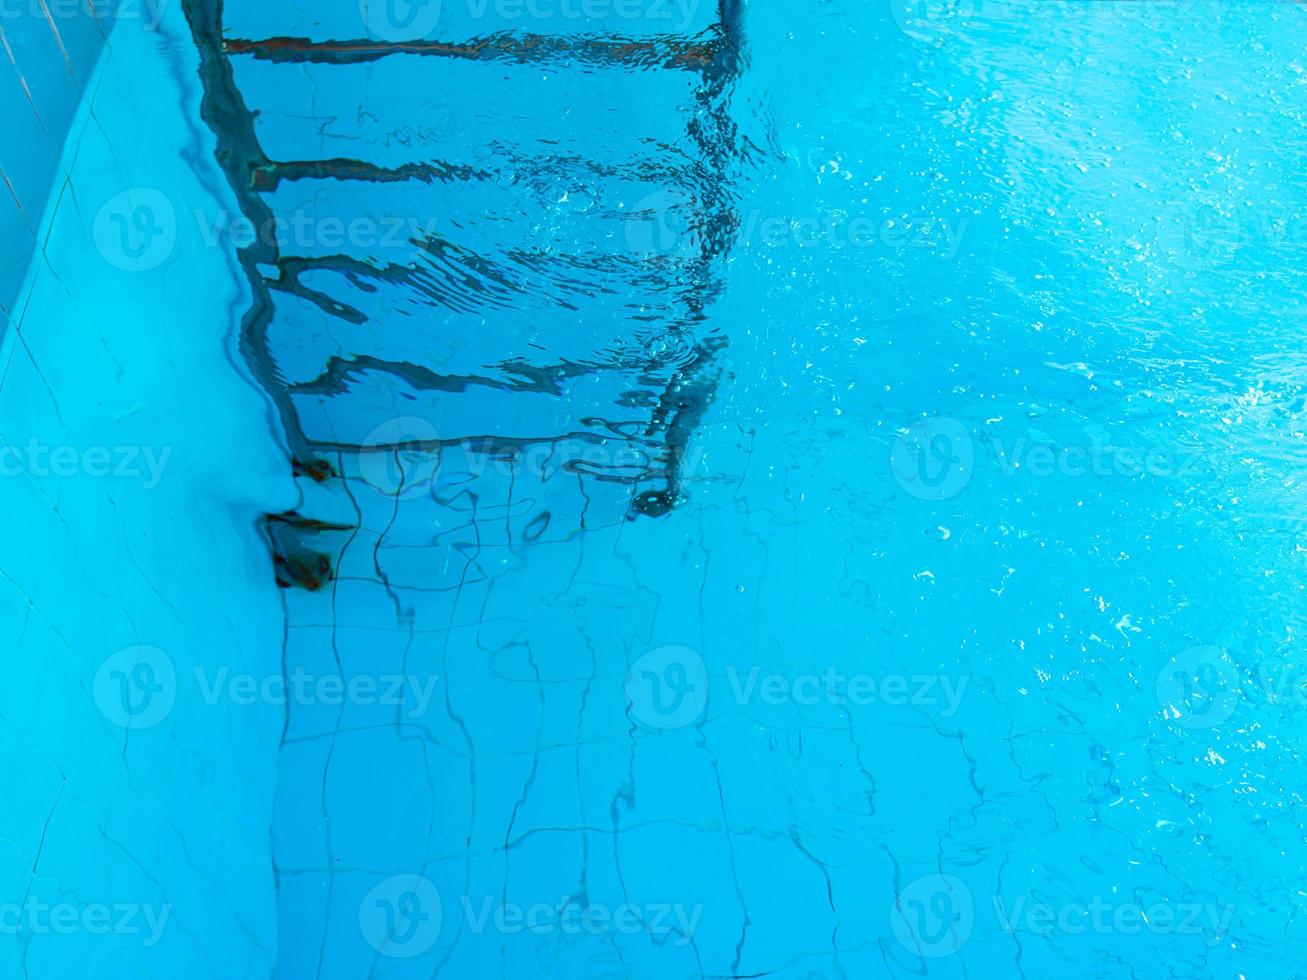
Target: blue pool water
<point>656,489</point>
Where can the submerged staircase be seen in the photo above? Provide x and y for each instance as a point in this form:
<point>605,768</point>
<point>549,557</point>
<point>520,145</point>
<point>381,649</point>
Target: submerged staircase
<point>480,254</point>
<point>510,237</point>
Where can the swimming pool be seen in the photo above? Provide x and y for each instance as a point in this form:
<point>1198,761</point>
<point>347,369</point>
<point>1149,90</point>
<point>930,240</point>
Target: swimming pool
<point>661,489</point>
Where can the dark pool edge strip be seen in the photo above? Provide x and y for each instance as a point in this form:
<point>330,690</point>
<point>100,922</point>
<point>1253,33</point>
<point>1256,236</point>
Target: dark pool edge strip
<point>687,54</point>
